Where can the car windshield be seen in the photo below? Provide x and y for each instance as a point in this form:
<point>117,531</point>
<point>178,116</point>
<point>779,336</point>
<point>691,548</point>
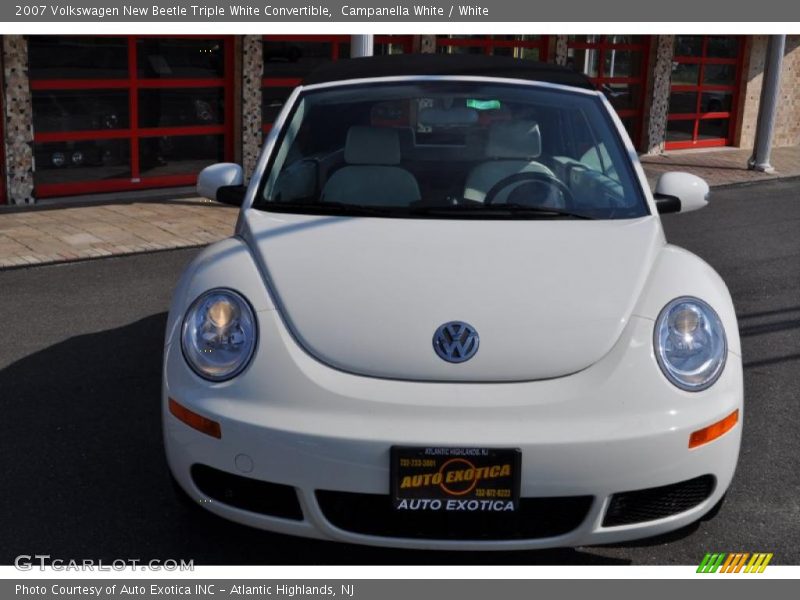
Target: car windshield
<point>451,149</point>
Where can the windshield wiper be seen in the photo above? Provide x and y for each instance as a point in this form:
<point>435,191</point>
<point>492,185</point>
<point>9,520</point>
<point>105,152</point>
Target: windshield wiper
<point>505,210</point>
<point>334,208</point>
<point>473,210</point>
<point>542,210</point>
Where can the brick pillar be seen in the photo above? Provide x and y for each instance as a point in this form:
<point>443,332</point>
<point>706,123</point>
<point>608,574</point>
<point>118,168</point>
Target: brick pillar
<point>750,91</point>
<point>787,119</point>
<point>560,55</point>
<point>18,120</point>
<point>659,94</point>
<point>252,70</point>
<point>787,127</point>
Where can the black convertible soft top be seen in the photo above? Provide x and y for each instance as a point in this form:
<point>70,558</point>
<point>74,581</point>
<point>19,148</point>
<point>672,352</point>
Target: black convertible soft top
<point>446,64</point>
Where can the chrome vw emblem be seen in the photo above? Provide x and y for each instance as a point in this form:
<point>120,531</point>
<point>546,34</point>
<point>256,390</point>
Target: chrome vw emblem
<point>456,341</point>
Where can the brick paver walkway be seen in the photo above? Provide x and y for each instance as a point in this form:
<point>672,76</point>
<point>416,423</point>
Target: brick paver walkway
<point>45,235</point>
<point>722,166</point>
<point>50,234</point>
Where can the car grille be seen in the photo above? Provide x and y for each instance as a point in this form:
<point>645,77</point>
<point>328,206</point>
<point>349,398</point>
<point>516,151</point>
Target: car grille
<point>373,514</point>
<point>262,497</point>
<point>656,503</point>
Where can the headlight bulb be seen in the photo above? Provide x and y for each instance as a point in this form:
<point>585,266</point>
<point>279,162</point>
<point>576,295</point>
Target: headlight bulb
<point>219,334</point>
<point>690,344</point>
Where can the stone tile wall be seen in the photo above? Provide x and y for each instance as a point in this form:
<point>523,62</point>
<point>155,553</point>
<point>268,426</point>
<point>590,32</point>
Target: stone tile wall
<point>658,94</point>
<point>252,70</point>
<point>560,55</point>
<point>18,121</point>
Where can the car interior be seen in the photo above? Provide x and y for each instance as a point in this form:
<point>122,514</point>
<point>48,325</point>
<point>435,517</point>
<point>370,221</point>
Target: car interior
<point>430,152</point>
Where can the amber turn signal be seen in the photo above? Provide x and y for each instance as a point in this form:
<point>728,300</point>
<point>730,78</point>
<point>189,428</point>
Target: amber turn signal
<point>195,421</point>
<point>712,432</point>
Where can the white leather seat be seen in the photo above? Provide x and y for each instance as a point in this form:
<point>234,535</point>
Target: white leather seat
<point>510,149</point>
<point>371,176</point>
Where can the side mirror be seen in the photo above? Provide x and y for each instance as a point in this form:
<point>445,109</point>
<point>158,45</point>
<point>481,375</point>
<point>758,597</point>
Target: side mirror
<point>680,192</point>
<point>222,182</point>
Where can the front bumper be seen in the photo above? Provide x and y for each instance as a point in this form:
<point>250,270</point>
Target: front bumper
<point>615,427</point>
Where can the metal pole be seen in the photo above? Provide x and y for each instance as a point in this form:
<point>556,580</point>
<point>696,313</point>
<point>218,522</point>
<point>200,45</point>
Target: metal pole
<point>765,126</point>
<point>361,45</point>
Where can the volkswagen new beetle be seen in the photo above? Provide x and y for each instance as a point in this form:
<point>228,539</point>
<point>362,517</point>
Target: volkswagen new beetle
<point>449,318</point>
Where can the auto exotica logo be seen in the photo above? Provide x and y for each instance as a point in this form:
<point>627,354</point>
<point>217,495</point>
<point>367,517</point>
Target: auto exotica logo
<point>734,562</point>
<point>456,481</point>
<point>458,477</point>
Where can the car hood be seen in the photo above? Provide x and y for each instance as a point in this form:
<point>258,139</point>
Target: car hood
<point>366,295</point>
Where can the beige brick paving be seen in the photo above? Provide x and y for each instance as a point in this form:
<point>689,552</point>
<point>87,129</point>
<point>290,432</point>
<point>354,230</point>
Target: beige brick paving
<point>40,235</point>
<point>48,234</point>
<point>722,167</point>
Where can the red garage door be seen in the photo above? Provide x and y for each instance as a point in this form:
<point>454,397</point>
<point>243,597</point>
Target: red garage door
<point>530,47</point>
<point>128,112</point>
<point>616,64</point>
<point>289,58</point>
<point>706,71</point>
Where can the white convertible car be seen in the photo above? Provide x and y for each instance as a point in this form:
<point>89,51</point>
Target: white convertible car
<point>449,319</point>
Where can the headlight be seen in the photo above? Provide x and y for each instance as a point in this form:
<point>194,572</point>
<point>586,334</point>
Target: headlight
<point>690,344</point>
<point>219,334</point>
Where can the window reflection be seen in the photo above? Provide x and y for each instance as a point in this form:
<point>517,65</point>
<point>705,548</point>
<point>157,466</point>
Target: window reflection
<point>272,101</point>
<point>683,102</point>
<point>622,96</point>
<point>69,162</point>
<point>77,57</point>
<point>181,107</point>
<point>680,130</point>
<point>184,58</point>
<point>719,74</point>
<point>685,73</point>
<point>79,110</point>
<point>179,154</point>
<point>712,128</point>
<point>622,63</point>
<point>584,61</point>
<point>688,45</point>
<point>294,58</point>
<point>722,46</point>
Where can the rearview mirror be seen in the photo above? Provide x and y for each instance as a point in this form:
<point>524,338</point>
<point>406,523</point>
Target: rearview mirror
<point>680,192</point>
<point>222,182</point>
<point>448,117</point>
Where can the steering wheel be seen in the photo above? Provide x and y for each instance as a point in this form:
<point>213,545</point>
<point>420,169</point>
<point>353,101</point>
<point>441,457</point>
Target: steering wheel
<point>531,176</point>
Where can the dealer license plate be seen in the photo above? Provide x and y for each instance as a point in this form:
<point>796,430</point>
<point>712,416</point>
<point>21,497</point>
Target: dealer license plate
<point>455,479</point>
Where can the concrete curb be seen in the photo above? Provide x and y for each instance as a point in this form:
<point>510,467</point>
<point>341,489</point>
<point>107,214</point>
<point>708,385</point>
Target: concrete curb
<point>725,186</point>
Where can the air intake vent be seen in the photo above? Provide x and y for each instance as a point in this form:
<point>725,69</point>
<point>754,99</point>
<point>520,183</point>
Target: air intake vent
<point>257,496</point>
<point>656,503</point>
